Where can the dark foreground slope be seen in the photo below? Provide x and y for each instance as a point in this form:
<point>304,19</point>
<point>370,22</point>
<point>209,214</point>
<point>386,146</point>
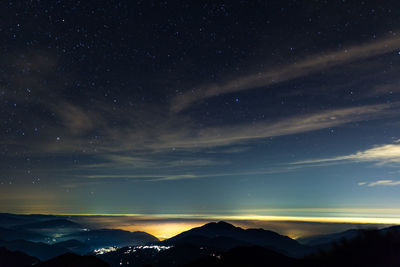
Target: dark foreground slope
<point>19,259</point>
<point>39,250</point>
<point>246,256</point>
<point>15,259</point>
<point>73,260</point>
<point>371,249</point>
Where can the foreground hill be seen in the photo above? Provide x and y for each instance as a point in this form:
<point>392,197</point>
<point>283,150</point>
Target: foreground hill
<point>175,256</point>
<point>73,260</point>
<point>223,235</point>
<point>15,259</point>
<point>75,246</point>
<point>39,250</point>
<point>18,259</point>
<point>369,249</point>
<point>246,256</point>
<point>326,242</point>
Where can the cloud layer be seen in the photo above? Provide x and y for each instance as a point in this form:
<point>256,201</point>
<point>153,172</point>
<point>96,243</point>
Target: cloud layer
<point>279,74</point>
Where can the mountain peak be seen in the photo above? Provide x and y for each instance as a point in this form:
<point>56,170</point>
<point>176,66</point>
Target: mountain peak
<point>219,225</point>
<point>224,223</point>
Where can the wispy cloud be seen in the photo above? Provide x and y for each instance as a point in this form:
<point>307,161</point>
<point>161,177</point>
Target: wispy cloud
<point>74,118</point>
<point>380,183</point>
<point>380,154</point>
<point>292,125</point>
<point>305,67</point>
<point>181,133</point>
<point>145,177</point>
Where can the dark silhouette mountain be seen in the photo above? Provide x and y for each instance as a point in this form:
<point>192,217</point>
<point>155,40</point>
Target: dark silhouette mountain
<point>259,237</point>
<point>14,234</point>
<point>51,224</point>
<point>15,259</point>
<point>390,229</point>
<point>39,250</point>
<point>319,242</point>
<point>371,248</point>
<point>329,238</point>
<point>187,255</point>
<point>245,256</point>
<point>73,260</point>
<point>219,242</point>
<point>112,237</point>
<point>368,249</point>
<point>175,256</point>
<point>75,246</point>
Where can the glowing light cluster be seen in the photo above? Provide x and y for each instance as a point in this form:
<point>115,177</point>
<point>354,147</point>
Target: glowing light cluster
<point>155,247</point>
<point>101,251</point>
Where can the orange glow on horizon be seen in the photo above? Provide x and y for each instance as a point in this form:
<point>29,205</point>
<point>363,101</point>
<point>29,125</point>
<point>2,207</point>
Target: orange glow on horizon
<point>163,230</point>
<point>167,229</point>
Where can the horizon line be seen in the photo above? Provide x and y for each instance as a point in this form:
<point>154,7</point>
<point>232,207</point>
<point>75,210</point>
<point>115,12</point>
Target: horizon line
<point>247,217</point>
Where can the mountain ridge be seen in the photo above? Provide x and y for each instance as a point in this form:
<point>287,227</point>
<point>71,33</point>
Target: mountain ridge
<point>259,237</point>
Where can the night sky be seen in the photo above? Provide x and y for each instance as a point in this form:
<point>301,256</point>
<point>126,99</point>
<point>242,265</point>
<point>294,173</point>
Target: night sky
<point>201,109</point>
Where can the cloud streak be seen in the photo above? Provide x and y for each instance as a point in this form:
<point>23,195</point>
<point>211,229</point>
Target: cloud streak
<point>380,183</point>
<point>302,68</point>
<point>381,155</point>
<point>136,144</point>
<point>184,136</point>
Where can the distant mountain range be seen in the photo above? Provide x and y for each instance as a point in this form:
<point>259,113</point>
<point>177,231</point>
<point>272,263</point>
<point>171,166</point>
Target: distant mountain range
<point>54,228</point>
<point>47,236</point>
<point>112,237</point>
<point>50,224</point>
<point>213,244</point>
<point>319,240</point>
<point>326,241</point>
<point>14,234</point>
<point>10,220</point>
